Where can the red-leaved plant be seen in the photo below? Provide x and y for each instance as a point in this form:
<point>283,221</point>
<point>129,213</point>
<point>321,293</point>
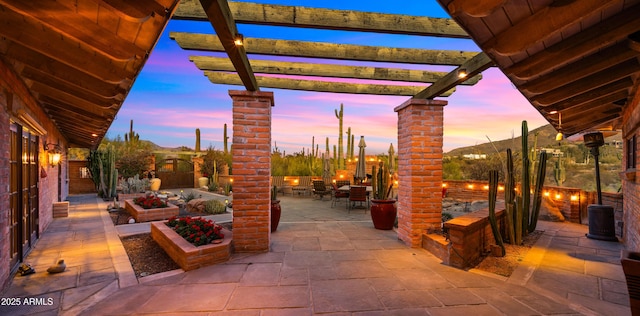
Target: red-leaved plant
<point>196,230</point>
<point>150,202</point>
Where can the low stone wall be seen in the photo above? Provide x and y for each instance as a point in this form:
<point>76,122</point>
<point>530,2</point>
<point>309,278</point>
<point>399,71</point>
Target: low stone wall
<point>152,214</point>
<point>467,238</point>
<point>185,254</point>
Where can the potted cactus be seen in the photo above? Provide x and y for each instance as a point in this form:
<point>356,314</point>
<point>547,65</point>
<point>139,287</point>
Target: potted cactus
<point>276,210</point>
<point>383,209</point>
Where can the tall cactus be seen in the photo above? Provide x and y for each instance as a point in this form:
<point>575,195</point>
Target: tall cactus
<point>132,137</point>
<point>380,182</point>
<point>537,200</point>
<point>523,214</point>
<point>353,139</point>
<point>225,139</point>
<point>340,116</point>
<point>493,192</point>
<point>348,143</point>
<point>559,173</point>
<point>197,140</point>
<point>510,197</point>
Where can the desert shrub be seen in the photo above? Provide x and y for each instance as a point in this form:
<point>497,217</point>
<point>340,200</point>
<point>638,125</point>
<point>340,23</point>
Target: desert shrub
<point>190,196</point>
<point>215,207</point>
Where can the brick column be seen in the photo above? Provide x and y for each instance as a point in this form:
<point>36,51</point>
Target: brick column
<point>251,152</point>
<point>420,130</point>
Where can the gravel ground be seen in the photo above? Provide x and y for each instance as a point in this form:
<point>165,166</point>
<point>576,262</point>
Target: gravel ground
<point>505,266</point>
<point>145,255</point>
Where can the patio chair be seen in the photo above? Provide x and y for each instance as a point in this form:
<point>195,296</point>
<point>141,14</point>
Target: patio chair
<point>338,194</point>
<point>304,185</point>
<point>320,189</point>
<point>358,194</point>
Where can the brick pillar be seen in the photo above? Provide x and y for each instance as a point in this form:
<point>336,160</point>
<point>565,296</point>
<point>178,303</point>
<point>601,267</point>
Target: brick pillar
<point>419,168</point>
<point>251,152</point>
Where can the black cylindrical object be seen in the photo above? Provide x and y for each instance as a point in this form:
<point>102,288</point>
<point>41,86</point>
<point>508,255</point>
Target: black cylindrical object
<point>601,222</point>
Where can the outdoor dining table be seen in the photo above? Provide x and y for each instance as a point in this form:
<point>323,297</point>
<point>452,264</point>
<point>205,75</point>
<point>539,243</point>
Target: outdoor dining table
<point>347,187</point>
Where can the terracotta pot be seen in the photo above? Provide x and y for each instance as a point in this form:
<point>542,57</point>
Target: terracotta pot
<point>383,213</point>
<point>631,266</point>
<point>276,212</point>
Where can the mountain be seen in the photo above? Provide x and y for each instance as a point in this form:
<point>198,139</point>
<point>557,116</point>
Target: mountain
<point>546,138</point>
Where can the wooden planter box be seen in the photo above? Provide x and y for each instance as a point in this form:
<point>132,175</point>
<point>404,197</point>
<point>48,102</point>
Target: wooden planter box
<point>60,209</point>
<point>184,253</point>
<point>151,214</point>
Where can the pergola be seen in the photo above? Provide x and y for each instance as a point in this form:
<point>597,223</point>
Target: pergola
<point>238,70</point>
<point>420,119</point>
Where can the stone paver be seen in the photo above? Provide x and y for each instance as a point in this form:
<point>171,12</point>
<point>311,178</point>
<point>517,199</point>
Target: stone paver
<point>322,260</point>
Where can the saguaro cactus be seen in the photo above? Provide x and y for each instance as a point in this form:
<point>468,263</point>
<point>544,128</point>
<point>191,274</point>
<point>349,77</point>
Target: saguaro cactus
<point>559,171</point>
<point>225,138</point>
<point>197,140</point>
<point>493,192</point>
<point>348,143</point>
<point>339,116</point>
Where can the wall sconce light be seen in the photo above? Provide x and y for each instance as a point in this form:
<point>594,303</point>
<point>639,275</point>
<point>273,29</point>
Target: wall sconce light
<point>574,198</point>
<point>462,73</point>
<point>238,40</point>
<point>54,152</point>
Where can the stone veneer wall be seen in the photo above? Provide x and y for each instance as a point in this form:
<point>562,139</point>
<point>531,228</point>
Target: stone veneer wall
<point>631,188</point>
<point>251,151</point>
<point>420,134</point>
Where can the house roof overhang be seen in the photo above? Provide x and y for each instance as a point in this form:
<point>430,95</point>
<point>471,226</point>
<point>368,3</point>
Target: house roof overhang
<point>575,61</point>
<point>80,58</point>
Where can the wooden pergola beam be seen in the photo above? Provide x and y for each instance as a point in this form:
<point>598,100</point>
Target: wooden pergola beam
<point>347,20</point>
<point>472,67</point>
<point>207,42</point>
<point>326,70</point>
<point>320,86</point>
<point>220,17</point>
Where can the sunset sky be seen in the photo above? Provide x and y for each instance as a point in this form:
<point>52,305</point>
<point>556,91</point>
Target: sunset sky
<point>171,97</point>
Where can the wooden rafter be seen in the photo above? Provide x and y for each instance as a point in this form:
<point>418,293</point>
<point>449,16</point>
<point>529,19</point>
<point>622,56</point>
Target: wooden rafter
<point>348,20</point>
<point>207,42</point>
<point>326,70</point>
<point>220,17</point>
<point>75,83</point>
<point>593,64</point>
<point>77,27</point>
<point>530,31</point>
<point>472,67</point>
<point>582,44</point>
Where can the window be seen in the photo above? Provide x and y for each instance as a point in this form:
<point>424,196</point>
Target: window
<point>631,151</point>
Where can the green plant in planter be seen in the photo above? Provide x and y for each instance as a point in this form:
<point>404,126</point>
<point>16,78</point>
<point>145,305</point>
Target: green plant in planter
<point>383,209</point>
<point>380,182</point>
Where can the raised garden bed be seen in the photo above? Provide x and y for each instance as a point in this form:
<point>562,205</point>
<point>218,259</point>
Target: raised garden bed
<point>185,254</point>
<point>151,214</point>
